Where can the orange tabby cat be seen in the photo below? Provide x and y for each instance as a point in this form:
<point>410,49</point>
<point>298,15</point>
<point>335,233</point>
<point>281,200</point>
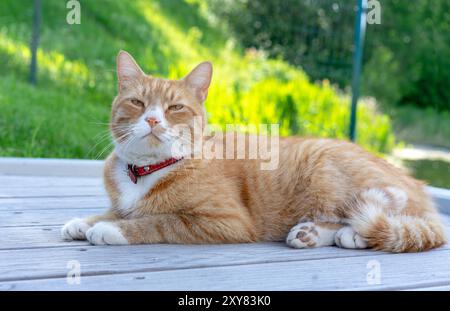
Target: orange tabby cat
<point>323,191</point>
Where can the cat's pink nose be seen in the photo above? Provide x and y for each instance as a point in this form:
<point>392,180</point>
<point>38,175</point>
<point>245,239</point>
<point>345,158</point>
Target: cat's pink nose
<point>152,121</point>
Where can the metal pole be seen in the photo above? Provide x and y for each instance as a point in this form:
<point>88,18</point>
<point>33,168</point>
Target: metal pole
<point>360,30</point>
<point>35,41</point>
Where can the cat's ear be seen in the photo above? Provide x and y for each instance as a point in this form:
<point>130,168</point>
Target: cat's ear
<point>199,80</point>
<point>127,69</point>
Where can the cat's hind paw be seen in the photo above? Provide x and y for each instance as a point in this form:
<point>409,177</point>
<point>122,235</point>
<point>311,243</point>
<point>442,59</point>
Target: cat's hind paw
<point>346,237</point>
<point>303,235</point>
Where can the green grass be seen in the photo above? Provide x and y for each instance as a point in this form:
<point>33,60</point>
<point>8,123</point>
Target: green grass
<point>421,126</point>
<point>66,114</point>
<point>434,172</point>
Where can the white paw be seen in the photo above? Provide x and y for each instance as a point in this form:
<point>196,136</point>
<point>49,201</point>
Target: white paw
<point>347,238</point>
<point>105,233</point>
<point>303,235</point>
<point>75,230</point>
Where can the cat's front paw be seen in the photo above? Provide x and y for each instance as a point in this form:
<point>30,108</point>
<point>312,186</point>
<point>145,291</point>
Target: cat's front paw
<point>303,235</point>
<point>74,230</point>
<point>105,233</point>
<point>346,237</point>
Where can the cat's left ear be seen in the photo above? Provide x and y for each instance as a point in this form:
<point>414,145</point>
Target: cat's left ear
<point>128,71</point>
<point>199,80</point>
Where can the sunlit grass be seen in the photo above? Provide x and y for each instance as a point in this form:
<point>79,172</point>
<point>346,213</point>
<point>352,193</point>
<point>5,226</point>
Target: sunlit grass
<point>52,65</point>
<point>182,42</point>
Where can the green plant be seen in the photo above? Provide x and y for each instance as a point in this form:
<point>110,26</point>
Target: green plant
<point>407,56</point>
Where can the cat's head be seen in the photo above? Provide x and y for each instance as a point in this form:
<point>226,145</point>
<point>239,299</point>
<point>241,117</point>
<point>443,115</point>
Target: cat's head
<point>148,111</point>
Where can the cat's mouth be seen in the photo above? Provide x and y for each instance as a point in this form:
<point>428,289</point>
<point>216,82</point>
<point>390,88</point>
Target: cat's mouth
<point>153,138</point>
<point>152,135</point>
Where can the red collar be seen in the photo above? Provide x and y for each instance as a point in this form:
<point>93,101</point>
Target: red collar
<point>136,171</point>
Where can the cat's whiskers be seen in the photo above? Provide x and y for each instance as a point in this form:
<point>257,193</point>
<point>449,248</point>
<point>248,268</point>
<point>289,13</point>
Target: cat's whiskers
<point>102,137</point>
<point>108,145</point>
<point>102,152</point>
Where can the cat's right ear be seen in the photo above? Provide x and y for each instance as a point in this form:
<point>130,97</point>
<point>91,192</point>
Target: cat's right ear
<point>128,70</point>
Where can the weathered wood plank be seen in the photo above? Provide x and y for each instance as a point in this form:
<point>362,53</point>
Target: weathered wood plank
<point>33,237</point>
<point>56,203</point>
<point>33,263</point>
<point>442,198</point>
<point>45,263</point>
<point>43,181</point>
<point>51,167</point>
<point>33,192</point>
<point>420,287</point>
<point>325,274</point>
<point>11,218</point>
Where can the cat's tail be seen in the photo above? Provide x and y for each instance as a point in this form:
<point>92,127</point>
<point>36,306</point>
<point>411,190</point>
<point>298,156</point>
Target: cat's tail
<point>379,216</point>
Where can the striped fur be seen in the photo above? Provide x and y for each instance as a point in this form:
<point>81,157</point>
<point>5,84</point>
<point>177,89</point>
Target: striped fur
<point>391,228</point>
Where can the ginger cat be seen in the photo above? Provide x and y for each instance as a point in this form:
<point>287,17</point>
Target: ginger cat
<point>323,191</point>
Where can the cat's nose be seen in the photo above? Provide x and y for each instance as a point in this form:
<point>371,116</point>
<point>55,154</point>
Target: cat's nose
<point>152,121</point>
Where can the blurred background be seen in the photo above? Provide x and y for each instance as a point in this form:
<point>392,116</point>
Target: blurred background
<point>275,61</point>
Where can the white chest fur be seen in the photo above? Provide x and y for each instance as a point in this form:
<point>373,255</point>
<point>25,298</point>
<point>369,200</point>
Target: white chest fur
<point>131,193</point>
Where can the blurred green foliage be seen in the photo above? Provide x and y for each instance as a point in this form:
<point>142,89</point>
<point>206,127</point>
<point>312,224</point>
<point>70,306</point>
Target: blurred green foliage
<point>314,35</point>
<point>66,114</point>
<point>407,56</point>
<point>421,126</point>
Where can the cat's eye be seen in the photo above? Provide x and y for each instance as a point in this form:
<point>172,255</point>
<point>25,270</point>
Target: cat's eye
<point>137,102</point>
<point>176,107</point>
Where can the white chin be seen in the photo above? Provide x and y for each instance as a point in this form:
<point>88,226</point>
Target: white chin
<point>142,153</point>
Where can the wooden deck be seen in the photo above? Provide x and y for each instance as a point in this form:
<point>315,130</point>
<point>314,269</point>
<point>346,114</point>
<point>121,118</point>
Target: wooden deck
<point>33,256</point>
